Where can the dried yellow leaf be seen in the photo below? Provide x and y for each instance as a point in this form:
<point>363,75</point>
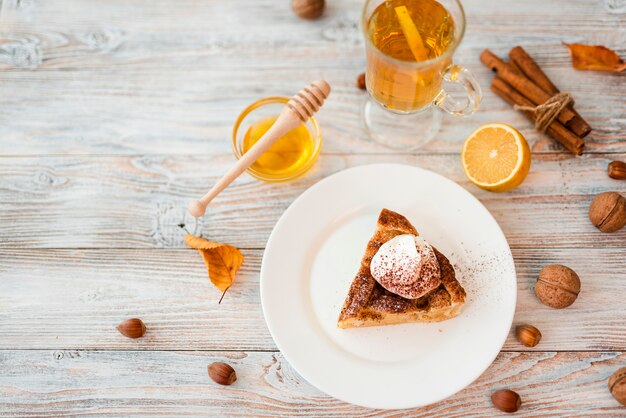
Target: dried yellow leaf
<point>595,57</point>
<point>222,261</point>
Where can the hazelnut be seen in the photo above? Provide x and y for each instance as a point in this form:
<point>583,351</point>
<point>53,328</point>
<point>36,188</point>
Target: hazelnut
<point>360,82</point>
<point>506,400</point>
<point>308,9</point>
<point>617,385</point>
<point>132,328</point>
<point>222,373</point>
<point>528,335</point>
<point>608,211</point>
<point>557,286</point>
<point>617,170</point>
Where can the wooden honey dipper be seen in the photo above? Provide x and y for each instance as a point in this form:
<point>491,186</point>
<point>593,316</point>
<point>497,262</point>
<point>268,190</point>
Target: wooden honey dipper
<point>297,111</point>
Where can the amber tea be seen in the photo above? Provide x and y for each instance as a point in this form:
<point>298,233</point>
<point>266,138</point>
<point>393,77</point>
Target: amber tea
<point>410,31</point>
<point>409,46</point>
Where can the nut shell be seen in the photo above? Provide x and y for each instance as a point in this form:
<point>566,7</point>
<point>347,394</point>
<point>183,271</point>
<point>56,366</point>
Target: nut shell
<point>617,385</point>
<point>308,9</point>
<point>360,82</point>
<point>506,400</point>
<point>528,335</point>
<point>608,211</point>
<point>132,328</point>
<point>557,286</point>
<point>222,373</point>
<point>617,170</point>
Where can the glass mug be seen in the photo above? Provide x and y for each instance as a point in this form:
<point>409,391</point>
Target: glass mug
<point>405,80</point>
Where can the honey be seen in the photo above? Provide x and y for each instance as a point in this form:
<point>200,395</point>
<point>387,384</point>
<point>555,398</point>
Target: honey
<point>287,157</point>
<point>426,32</point>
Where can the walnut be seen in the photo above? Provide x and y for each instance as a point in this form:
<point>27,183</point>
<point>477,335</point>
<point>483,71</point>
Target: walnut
<point>608,211</point>
<point>308,9</point>
<point>557,286</point>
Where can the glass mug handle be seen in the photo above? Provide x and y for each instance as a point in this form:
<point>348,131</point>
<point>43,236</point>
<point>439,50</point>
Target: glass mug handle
<point>460,75</point>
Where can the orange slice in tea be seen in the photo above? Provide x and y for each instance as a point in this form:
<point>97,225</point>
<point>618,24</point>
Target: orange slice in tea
<point>412,35</point>
<point>496,157</point>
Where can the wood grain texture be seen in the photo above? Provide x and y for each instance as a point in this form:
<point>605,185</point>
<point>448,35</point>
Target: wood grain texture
<point>138,202</point>
<point>75,298</point>
<point>131,383</point>
<point>171,77</point>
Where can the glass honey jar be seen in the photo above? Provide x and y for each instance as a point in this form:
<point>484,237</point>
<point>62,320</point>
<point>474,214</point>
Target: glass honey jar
<point>291,156</point>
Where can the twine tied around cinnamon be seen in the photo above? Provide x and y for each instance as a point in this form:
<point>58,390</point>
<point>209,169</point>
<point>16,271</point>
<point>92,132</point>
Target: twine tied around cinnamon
<point>546,113</point>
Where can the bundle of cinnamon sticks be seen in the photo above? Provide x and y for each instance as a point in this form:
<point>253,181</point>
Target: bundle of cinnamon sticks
<point>521,82</point>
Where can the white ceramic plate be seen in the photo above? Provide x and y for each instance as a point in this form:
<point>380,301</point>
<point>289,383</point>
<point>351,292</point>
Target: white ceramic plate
<point>314,252</point>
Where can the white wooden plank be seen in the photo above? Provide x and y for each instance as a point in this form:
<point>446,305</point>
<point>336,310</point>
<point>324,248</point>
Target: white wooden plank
<point>75,298</point>
<point>84,295</point>
<point>135,383</point>
<point>172,77</point>
<point>138,202</point>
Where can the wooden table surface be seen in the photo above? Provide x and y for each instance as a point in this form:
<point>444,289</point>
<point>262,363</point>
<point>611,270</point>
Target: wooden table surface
<point>113,115</point>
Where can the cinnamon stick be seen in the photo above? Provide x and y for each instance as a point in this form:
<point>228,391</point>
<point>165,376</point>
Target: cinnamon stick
<point>529,67</point>
<point>515,66</point>
<point>556,130</point>
<point>523,85</point>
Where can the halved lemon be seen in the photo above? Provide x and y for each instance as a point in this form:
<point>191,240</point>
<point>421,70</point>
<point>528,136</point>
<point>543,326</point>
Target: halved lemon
<point>496,157</point>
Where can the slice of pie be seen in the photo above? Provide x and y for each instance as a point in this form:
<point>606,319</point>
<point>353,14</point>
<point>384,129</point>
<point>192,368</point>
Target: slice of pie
<point>370,304</point>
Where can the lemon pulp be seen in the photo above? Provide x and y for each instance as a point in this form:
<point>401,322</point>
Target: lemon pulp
<point>496,157</point>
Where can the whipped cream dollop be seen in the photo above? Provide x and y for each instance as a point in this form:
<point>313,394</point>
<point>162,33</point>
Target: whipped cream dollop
<point>407,266</point>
